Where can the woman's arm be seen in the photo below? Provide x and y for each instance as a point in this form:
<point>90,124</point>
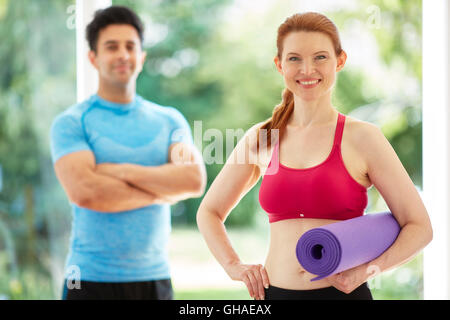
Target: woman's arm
<point>230,185</point>
<point>395,186</point>
<point>390,178</point>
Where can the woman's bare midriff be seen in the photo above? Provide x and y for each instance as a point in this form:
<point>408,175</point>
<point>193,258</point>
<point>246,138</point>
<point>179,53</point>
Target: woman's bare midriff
<point>282,266</point>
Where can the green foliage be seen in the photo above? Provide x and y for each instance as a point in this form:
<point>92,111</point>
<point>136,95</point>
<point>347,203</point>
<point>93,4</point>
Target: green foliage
<point>37,60</point>
<point>212,294</point>
<point>392,99</point>
<point>32,282</point>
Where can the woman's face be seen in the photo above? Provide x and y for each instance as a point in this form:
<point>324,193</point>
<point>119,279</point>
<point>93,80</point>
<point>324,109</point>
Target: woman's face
<point>309,64</point>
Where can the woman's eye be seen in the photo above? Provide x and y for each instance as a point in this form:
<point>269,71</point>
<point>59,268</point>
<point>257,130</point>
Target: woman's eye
<point>293,58</point>
<point>322,57</point>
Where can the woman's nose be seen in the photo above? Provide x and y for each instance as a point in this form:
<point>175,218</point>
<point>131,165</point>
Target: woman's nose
<point>307,68</point>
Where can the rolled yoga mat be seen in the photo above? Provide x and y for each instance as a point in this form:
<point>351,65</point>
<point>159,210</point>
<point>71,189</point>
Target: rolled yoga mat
<point>342,245</point>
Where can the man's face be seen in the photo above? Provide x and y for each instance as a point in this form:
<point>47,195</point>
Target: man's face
<point>119,57</point>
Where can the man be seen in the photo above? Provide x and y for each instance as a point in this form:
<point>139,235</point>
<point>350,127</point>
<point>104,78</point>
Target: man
<point>122,161</point>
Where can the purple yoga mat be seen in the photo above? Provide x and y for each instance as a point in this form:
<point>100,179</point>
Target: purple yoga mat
<point>343,245</point>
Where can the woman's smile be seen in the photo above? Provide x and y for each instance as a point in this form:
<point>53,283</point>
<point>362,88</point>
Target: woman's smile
<point>308,83</point>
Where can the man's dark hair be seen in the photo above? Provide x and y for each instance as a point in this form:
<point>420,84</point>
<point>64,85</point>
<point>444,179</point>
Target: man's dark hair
<point>112,15</point>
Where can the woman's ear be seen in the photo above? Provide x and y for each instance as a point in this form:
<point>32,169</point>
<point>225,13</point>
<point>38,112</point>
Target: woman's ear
<point>341,61</point>
<point>278,64</point>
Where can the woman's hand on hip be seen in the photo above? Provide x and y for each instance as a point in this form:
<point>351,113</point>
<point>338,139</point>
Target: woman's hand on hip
<point>253,275</point>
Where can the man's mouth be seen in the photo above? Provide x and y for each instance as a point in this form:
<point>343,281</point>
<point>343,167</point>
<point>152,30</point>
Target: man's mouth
<point>122,68</point>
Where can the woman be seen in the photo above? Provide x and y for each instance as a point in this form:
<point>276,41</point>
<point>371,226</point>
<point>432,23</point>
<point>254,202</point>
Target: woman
<point>320,170</point>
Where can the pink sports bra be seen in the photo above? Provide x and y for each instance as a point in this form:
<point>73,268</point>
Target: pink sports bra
<point>325,191</point>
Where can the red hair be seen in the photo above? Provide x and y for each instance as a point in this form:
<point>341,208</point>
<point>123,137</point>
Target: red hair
<point>308,21</point>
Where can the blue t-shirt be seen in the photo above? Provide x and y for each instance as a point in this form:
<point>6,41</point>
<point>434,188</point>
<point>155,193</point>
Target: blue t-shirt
<point>130,245</point>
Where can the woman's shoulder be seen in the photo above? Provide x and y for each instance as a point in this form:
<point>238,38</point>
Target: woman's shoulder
<point>362,134</point>
<point>252,133</point>
<point>248,145</point>
<point>254,128</point>
<point>359,128</point>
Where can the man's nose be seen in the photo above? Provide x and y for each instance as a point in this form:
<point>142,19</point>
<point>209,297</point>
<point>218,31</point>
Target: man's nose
<point>123,53</point>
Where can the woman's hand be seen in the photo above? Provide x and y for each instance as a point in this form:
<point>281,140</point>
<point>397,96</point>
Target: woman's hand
<point>253,275</point>
<point>350,279</point>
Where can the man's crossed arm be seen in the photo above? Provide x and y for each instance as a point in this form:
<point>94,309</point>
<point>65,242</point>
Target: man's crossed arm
<point>114,188</point>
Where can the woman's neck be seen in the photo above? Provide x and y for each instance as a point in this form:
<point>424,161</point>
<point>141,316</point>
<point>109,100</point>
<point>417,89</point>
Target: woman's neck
<point>312,113</point>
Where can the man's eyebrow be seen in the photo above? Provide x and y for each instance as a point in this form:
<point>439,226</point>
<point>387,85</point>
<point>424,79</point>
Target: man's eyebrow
<point>313,53</point>
<point>116,42</point>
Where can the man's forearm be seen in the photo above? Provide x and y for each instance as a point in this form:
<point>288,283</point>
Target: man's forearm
<point>173,181</point>
<point>111,195</point>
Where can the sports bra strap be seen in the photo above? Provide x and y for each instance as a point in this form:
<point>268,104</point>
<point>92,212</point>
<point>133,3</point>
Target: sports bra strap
<point>339,130</point>
<point>337,138</point>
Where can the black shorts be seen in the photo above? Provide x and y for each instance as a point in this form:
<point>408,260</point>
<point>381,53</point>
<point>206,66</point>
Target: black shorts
<point>329,293</point>
<point>145,290</point>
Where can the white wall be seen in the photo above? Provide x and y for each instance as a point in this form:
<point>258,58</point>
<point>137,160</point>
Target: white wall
<point>436,145</point>
<point>87,79</point>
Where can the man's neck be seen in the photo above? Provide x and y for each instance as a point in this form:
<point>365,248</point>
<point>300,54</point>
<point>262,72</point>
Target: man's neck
<point>117,94</point>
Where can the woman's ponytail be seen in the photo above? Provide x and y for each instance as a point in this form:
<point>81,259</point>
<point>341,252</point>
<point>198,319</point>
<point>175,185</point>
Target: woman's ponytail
<point>280,116</point>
